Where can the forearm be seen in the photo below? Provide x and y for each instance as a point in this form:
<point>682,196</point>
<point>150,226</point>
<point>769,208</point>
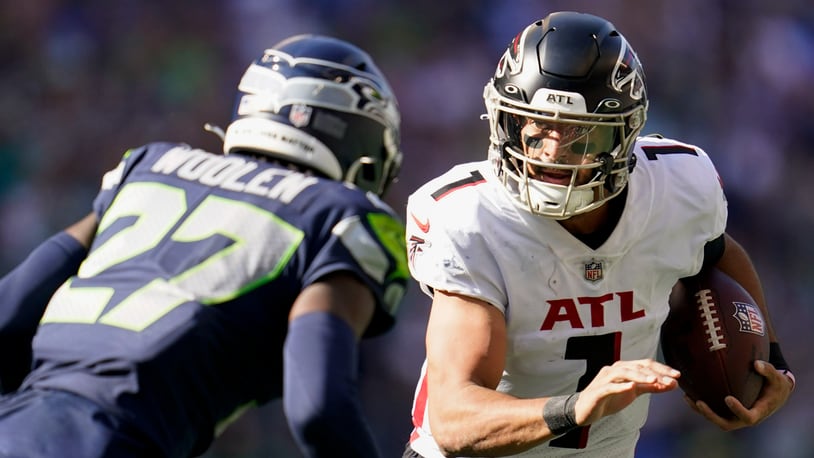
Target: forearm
<point>321,402</point>
<point>25,291</point>
<point>24,294</point>
<point>478,421</point>
<point>497,424</point>
<point>737,264</point>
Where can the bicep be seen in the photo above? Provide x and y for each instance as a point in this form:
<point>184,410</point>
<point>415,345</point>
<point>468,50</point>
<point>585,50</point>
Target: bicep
<point>737,263</point>
<point>466,343</point>
<point>340,294</point>
<point>84,230</point>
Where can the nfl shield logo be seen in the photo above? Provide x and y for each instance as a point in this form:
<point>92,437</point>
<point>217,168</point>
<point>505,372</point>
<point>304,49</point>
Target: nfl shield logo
<point>300,115</point>
<point>593,270</point>
<point>749,318</point>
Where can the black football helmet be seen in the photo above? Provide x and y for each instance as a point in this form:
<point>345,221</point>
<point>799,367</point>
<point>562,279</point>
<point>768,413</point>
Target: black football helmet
<point>573,73</point>
<point>321,103</point>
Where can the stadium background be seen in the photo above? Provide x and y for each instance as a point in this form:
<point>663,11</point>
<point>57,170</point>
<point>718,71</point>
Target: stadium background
<point>82,81</point>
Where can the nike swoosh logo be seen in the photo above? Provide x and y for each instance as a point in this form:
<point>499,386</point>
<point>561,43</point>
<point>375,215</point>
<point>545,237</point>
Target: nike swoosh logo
<point>424,227</point>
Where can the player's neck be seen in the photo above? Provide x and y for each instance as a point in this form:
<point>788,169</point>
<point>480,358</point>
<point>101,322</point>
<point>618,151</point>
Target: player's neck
<point>594,228</point>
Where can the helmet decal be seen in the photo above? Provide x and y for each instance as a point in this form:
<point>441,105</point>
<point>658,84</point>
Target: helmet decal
<point>300,115</point>
<point>513,57</point>
<point>627,72</point>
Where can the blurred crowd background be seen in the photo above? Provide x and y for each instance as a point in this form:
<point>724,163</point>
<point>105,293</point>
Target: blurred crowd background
<point>82,81</point>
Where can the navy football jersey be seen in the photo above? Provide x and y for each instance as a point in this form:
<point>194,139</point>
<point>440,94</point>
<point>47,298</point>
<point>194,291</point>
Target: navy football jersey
<point>177,317</point>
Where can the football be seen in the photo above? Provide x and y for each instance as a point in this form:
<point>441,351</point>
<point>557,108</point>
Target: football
<point>713,334</point>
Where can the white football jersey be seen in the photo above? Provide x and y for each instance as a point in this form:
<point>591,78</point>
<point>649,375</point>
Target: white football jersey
<point>569,309</point>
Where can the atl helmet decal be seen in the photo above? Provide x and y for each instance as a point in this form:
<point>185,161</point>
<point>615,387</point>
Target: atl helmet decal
<point>749,318</point>
<point>628,72</point>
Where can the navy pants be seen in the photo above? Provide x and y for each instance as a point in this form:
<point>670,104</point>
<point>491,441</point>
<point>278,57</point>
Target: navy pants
<point>51,424</point>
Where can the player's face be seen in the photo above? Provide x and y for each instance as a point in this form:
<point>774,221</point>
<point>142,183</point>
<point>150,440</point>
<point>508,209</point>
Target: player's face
<point>548,142</point>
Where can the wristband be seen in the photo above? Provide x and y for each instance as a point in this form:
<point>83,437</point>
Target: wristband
<point>560,413</point>
<point>776,359</point>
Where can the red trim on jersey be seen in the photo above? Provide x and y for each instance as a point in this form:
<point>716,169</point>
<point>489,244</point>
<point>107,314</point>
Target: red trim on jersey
<point>419,407</point>
<point>583,438</point>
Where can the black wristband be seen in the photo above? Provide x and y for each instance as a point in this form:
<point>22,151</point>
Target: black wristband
<point>560,413</point>
<point>776,357</point>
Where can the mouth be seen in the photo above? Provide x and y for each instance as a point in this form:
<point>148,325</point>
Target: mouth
<point>549,175</point>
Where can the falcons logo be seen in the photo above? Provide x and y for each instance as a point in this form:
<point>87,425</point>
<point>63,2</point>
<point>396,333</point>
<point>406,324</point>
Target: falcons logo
<point>416,246</point>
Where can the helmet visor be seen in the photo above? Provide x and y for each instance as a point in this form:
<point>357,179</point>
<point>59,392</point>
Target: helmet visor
<point>554,142</point>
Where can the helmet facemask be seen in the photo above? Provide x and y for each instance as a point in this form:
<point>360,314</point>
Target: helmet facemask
<point>590,163</point>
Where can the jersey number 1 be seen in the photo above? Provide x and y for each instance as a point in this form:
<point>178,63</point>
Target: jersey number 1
<point>597,352</point>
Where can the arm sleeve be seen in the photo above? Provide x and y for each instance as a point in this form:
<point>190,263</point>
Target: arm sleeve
<point>713,250</point>
<point>24,294</point>
<point>320,397</point>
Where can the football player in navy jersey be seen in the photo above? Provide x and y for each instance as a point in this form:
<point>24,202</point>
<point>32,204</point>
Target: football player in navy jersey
<point>550,264</point>
<point>203,284</point>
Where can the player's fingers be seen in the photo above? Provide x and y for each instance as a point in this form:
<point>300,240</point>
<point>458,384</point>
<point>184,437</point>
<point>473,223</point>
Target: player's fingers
<point>692,404</point>
<point>646,366</point>
<point>635,362</point>
<point>767,370</point>
<point>666,374</point>
<point>742,415</point>
<point>775,393</point>
<point>702,408</point>
<point>775,379</point>
<point>617,387</point>
<point>645,374</point>
<point>746,416</point>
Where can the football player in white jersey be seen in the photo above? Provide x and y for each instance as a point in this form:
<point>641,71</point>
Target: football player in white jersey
<point>550,264</point>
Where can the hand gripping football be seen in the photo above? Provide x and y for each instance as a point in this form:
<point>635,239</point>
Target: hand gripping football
<point>713,334</point>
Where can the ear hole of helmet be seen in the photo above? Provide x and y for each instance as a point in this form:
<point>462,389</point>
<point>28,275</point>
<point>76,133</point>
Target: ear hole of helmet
<point>510,126</point>
<point>369,172</point>
<point>356,141</point>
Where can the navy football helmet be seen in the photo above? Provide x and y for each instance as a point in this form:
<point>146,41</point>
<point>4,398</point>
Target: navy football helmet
<point>571,77</point>
<point>323,104</point>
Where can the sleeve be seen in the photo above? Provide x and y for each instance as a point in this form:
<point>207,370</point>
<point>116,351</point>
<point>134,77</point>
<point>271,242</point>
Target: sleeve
<point>367,240</point>
<point>688,201</point>
<point>112,180</point>
<point>712,211</point>
<point>320,390</point>
<point>24,294</point>
<point>448,251</point>
<point>717,199</point>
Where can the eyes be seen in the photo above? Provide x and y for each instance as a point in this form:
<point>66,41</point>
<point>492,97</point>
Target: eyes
<point>578,139</point>
<point>565,131</point>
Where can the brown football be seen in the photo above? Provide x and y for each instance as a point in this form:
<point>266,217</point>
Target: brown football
<point>713,334</point>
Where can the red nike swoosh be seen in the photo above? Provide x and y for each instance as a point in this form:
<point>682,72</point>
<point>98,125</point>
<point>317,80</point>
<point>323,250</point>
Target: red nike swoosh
<point>424,227</point>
